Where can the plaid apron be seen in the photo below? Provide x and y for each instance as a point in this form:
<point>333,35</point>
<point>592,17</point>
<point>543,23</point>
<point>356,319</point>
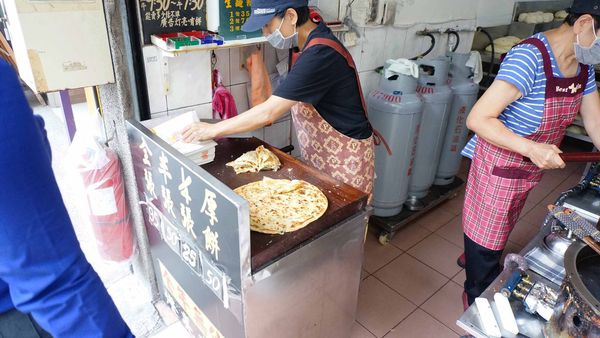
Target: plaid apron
<point>344,158</point>
<point>500,180</point>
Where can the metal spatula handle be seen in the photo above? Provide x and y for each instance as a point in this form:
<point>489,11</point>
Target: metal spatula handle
<point>576,157</point>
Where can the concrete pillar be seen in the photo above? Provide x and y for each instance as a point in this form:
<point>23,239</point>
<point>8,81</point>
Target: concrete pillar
<point>118,105</point>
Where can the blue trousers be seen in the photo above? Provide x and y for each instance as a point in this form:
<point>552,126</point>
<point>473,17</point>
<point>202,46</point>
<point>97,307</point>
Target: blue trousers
<point>42,268</point>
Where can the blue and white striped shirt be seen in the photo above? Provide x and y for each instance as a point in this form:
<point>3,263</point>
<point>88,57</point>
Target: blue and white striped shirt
<point>523,67</point>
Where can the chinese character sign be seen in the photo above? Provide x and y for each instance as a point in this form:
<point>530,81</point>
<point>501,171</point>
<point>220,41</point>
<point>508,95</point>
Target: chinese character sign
<point>171,16</point>
<point>193,223</point>
<point>233,14</point>
<point>459,129</point>
<point>202,215</point>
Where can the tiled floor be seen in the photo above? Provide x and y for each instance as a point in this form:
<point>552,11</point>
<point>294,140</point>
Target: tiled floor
<point>412,287</point>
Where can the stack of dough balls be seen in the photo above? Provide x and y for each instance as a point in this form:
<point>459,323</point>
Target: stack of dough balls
<point>560,15</point>
<point>503,45</point>
<point>536,17</point>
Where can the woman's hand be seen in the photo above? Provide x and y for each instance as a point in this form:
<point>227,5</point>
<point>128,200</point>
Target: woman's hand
<point>255,118</point>
<point>545,156</point>
<point>199,131</point>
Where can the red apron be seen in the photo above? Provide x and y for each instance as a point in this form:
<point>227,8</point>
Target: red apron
<point>499,180</point>
<point>344,158</point>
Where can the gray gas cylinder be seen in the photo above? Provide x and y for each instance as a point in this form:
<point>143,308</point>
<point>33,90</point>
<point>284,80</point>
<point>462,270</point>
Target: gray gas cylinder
<point>465,92</point>
<point>437,97</point>
<point>395,110</point>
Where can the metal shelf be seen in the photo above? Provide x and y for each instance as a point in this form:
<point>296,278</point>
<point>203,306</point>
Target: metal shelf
<point>172,52</point>
<point>579,137</point>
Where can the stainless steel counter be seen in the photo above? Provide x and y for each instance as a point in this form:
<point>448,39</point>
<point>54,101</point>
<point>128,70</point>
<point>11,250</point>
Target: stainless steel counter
<point>529,325</point>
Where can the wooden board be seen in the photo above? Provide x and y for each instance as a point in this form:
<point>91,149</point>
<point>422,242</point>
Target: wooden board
<point>6,52</point>
<point>344,200</point>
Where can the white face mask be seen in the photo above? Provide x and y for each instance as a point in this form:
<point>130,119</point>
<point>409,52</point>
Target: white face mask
<point>588,55</point>
<point>277,40</point>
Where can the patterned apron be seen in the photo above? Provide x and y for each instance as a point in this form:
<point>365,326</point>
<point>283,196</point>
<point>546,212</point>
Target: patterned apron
<point>344,158</point>
<point>500,180</point>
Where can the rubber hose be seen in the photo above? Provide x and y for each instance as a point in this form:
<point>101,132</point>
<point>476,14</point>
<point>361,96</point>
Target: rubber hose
<point>455,33</point>
<point>430,47</point>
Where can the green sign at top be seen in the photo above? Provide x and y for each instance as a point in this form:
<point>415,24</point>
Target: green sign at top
<point>232,15</point>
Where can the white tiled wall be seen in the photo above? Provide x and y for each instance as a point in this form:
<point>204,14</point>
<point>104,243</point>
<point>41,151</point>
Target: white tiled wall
<point>189,85</point>
<point>373,46</point>
<point>204,111</point>
<point>395,41</point>
<point>409,13</point>
<point>279,134</point>
<point>329,8</point>
<point>189,81</point>
<point>238,74</point>
<point>496,12</point>
<point>240,94</point>
<point>376,44</point>
<point>158,101</point>
<point>223,65</point>
<point>271,58</point>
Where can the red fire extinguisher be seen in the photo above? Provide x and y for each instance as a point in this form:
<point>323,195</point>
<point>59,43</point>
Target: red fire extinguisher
<point>109,213</point>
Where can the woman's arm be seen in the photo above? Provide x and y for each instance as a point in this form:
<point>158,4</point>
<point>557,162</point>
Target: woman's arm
<point>483,120</point>
<point>257,117</point>
<point>590,112</point>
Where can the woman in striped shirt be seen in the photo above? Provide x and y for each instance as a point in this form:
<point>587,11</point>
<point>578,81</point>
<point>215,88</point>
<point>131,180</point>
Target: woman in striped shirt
<point>542,84</point>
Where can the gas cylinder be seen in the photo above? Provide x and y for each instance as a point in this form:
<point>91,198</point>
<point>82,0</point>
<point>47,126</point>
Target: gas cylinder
<point>463,80</point>
<point>395,110</point>
<point>437,97</point>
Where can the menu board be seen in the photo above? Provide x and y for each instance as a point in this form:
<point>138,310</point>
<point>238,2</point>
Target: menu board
<point>193,223</point>
<point>171,16</point>
<point>232,15</point>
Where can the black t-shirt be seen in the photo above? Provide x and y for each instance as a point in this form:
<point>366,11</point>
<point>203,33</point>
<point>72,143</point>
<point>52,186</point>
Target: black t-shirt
<point>323,78</point>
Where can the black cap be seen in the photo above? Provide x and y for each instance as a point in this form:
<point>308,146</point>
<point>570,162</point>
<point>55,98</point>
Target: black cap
<point>262,11</point>
<point>586,7</point>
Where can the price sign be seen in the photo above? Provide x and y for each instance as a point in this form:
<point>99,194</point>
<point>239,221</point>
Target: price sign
<point>193,227</point>
<point>171,16</point>
<point>232,15</point>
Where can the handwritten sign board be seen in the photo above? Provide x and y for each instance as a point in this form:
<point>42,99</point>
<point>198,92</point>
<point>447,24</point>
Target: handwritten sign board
<point>171,16</point>
<point>193,223</point>
<point>232,15</point>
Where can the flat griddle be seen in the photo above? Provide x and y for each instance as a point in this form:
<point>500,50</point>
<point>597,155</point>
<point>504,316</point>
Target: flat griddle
<point>344,200</point>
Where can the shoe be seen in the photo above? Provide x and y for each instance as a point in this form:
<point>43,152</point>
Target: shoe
<point>460,261</point>
<point>465,300</point>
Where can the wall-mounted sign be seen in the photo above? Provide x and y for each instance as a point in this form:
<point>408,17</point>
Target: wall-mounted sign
<point>232,15</point>
<point>171,16</point>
